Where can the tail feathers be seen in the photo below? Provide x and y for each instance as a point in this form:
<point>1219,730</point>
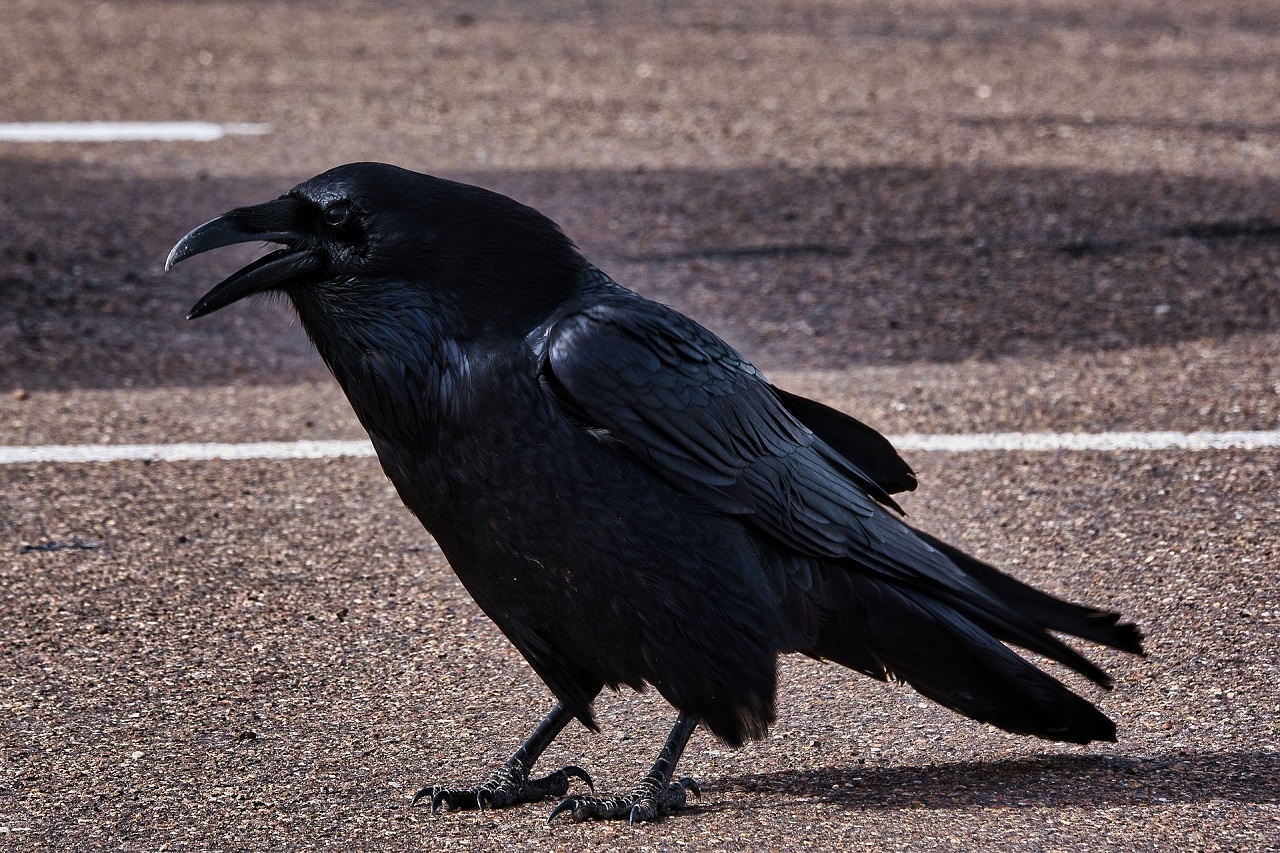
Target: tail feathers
<point>954,662</point>
<point>886,631</point>
<point>1087,623</point>
<point>1034,639</point>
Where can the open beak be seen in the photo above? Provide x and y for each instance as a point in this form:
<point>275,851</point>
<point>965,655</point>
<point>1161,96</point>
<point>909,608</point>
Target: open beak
<point>276,221</point>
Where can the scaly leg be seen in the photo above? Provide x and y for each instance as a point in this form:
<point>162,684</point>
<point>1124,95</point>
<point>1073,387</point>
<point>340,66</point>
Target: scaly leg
<point>511,784</point>
<point>653,796</point>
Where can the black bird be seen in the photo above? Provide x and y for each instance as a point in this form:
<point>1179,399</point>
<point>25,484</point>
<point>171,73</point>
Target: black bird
<point>626,496</point>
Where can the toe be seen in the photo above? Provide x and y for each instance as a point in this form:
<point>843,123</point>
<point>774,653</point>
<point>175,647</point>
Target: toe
<point>577,772</point>
<point>422,794</point>
<point>565,805</point>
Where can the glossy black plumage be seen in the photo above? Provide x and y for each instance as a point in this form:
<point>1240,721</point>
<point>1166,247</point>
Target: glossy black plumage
<point>628,498</point>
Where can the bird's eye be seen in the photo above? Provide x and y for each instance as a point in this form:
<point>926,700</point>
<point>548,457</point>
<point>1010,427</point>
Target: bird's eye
<point>337,214</point>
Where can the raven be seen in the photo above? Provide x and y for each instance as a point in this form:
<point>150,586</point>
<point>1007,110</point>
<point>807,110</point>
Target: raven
<point>623,494</point>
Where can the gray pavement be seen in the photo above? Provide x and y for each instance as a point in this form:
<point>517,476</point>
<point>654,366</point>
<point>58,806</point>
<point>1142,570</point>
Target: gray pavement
<point>942,217</point>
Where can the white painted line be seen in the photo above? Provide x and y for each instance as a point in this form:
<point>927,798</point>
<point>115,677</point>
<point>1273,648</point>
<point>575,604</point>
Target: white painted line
<point>125,131</point>
<point>1105,441</point>
<point>976,442</point>
<point>183,452</point>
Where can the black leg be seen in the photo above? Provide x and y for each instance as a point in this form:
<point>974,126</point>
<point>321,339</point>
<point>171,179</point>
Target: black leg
<point>511,783</point>
<point>653,796</point>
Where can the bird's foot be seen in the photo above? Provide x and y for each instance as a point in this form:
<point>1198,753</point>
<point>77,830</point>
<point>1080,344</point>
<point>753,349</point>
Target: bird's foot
<point>652,798</point>
<point>508,785</point>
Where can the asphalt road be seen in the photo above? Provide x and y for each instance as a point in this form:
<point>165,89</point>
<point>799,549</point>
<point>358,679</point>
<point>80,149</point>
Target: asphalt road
<point>940,216</point>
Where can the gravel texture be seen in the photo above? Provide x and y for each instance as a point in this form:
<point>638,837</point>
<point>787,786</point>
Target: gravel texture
<point>940,216</point>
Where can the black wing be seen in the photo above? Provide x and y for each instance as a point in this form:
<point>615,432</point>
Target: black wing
<point>705,419</point>
<point>851,438</point>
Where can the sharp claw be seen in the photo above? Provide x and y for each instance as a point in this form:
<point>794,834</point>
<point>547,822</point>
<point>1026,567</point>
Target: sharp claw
<point>566,805</point>
<point>578,773</point>
<point>651,799</point>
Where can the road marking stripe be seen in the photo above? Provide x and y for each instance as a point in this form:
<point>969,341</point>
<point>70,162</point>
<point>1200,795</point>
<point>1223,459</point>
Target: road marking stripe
<point>125,131</point>
<point>1106,441</point>
<point>183,452</point>
<point>970,443</point>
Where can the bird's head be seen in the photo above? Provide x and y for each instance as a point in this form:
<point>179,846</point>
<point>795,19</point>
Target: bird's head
<point>373,234</point>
